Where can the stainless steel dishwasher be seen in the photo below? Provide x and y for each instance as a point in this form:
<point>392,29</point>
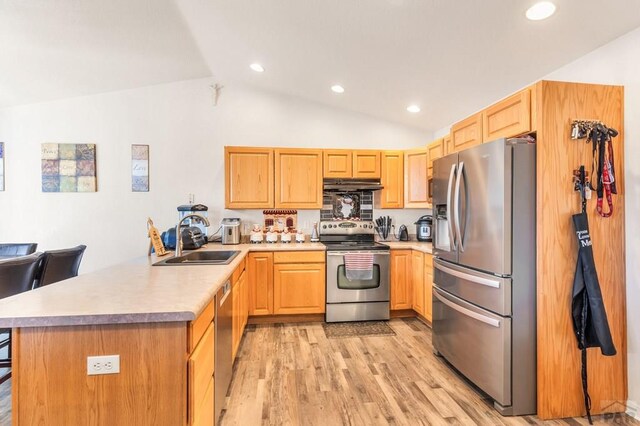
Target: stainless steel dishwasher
<point>223,361</point>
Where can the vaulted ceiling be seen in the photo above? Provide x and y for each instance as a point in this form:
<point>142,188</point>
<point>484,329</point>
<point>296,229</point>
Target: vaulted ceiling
<point>449,57</point>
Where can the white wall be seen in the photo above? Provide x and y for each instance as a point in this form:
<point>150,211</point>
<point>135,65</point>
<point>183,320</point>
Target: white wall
<point>186,134</point>
<point>619,63</point>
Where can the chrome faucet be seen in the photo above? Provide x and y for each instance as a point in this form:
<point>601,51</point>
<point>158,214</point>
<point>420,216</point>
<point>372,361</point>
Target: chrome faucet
<point>179,234</point>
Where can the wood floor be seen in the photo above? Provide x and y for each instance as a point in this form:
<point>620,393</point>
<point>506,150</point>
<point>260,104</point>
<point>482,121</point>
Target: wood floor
<point>291,374</point>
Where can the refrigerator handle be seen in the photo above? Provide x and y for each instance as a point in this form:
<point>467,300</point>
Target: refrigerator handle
<point>452,237</point>
<point>456,206</point>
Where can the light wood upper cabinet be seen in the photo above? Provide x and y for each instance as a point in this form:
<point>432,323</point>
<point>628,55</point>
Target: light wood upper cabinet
<point>298,178</point>
<point>507,118</point>
<point>249,177</point>
<point>466,133</point>
<point>392,179</point>
<point>401,291</point>
<point>416,194</point>
<point>366,164</point>
<point>417,280</point>
<point>435,150</point>
<point>428,286</point>
<point>447,144</point>
<point>338,163</point>
<point>298,288</point>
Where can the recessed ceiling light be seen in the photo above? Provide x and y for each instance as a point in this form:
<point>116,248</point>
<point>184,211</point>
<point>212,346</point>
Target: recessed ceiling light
<point>413,108</point>
<point>257,67</point>
<point>337,88</point>
<point>541,10</point>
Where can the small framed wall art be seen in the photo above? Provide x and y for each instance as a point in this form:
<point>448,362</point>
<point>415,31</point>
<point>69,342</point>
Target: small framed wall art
<point>140,168</point>
<point>1,166</point>
<point>68,167</point>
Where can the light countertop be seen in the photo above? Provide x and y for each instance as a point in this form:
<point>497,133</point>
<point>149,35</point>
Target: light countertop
<point>130,292</point>
<point>136,292</point>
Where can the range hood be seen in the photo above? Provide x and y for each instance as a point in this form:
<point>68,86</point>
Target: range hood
<point>351,185</point>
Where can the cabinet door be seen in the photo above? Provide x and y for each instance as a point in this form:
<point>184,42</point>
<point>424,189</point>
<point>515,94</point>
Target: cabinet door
<point>467,133</point>
<point>366,164</point>
<point>507,118</point>
<point>299,288</point>
<point>416,194</point>
<point>435,150</point>
<point>401,292</point>
<point>260,269</point>
<point>249,177</point>
<point>200,371</point>
<point>392,179</point>
<point>298,178</point>
<point>417,281</point>
<point>428,286</point>
<point>338,163</point>
<point>447,144</point>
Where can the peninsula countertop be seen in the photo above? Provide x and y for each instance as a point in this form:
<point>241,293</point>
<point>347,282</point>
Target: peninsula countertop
<point>130,292</point>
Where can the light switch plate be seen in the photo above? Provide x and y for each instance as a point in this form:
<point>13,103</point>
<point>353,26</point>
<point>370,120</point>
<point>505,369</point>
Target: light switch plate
<point>107,364</point>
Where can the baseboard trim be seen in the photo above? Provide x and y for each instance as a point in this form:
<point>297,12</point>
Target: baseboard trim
<point>275,319</point>
<point>633,409</point>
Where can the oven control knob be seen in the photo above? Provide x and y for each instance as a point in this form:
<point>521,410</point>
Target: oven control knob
<point>324,226</point>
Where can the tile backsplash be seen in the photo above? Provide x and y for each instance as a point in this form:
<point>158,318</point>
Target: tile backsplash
<point>366,205</point>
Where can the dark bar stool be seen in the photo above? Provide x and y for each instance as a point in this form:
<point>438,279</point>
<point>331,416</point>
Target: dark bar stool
<point>16,276</point>
<point>58,265</point>
<point>17,249</point>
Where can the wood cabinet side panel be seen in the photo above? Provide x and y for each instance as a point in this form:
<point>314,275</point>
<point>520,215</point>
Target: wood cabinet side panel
<point>54,388</point>
<point>559,384</point>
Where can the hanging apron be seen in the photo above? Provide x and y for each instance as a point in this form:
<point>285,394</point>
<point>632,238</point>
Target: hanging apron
<point>587,307</point>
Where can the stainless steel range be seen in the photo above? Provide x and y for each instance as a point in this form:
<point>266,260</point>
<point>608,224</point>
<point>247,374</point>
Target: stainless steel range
<point>359,299</point>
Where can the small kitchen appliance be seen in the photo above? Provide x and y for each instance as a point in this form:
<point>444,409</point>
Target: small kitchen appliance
<point>189,209</point>
<point>230,230</point>
<point>403,233</point>
<point>423,228</point>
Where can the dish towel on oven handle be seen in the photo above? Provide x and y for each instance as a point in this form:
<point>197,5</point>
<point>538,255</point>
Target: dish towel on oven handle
<point>358,266</point>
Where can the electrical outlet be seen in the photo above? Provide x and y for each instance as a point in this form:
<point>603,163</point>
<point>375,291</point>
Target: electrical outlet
<point>108,364</point>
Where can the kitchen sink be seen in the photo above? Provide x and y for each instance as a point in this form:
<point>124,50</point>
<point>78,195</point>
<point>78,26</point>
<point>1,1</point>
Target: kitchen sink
<point>200,258</point>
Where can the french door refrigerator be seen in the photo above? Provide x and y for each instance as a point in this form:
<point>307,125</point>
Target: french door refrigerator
<point>484,294</point>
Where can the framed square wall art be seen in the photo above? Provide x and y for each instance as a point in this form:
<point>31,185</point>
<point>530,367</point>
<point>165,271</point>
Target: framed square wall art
<point>140,168</point>
<point>68,167</point>
<point>1,166</point>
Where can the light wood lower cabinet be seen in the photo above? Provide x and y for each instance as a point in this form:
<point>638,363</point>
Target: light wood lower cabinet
<point>298,288</point>
<point>417,280</point>
<point>205,415</point>
<point>401,291</point>
<point>200,376</point>
<point>428,287</point>
<point>260,270</point>
<point>240,308</point>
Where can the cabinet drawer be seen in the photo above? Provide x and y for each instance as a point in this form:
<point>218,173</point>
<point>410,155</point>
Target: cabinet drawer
<point>198,326</point>
<point>298,257</point>
<point>238,271</point>
<point>203,415</point>
<point>200,370</point>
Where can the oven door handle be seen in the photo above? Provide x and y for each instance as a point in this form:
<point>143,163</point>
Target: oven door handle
<point>342,253</point>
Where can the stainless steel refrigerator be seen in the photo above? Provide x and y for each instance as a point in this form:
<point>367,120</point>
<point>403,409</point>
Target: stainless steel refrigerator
<point>484,295</point>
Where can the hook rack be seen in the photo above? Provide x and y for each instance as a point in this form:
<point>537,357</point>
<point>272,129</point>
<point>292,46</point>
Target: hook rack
<point>580,129</point>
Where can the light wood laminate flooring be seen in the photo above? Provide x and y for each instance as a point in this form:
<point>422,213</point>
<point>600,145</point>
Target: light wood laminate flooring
<point>291,374</point>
